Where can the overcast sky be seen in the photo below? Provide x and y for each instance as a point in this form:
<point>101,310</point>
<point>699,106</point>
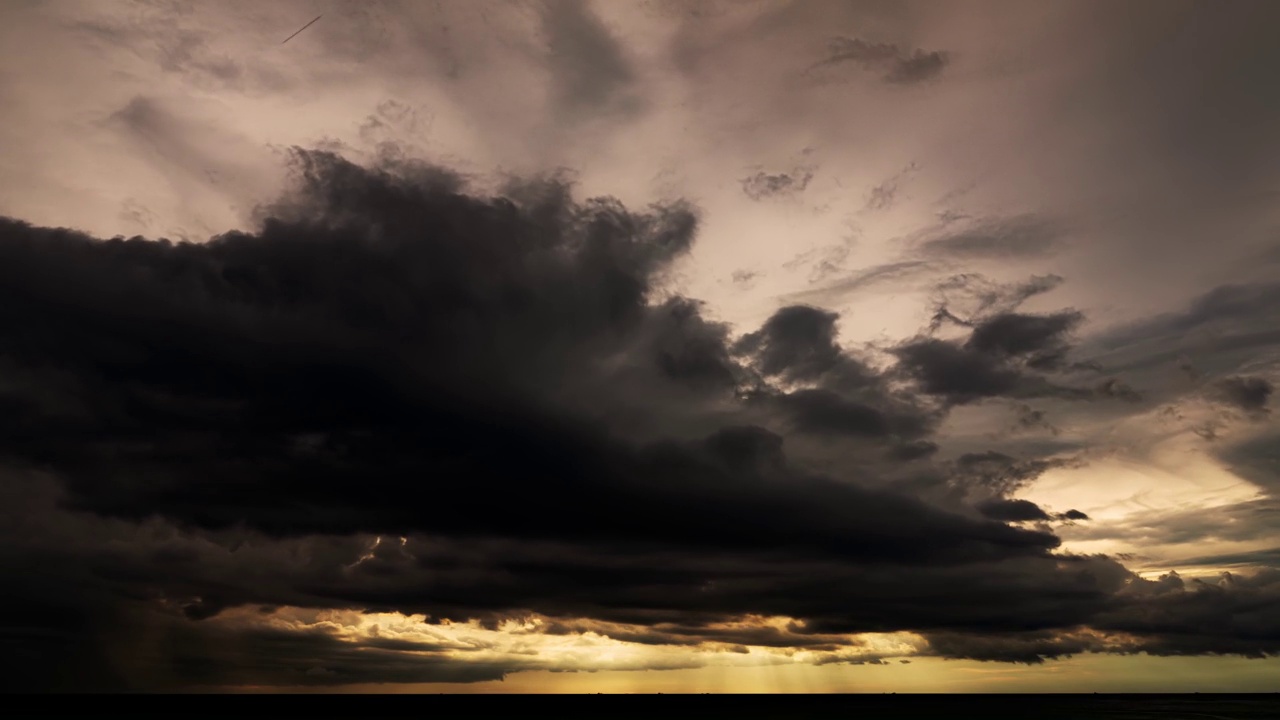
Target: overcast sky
<point>808,345</point>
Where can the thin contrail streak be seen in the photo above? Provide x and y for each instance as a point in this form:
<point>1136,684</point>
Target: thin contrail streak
<point>304,27</point>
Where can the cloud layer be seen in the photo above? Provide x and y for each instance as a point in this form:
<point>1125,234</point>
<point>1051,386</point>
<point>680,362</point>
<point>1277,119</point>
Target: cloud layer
<point>949,333</point>
<point>403,395</point>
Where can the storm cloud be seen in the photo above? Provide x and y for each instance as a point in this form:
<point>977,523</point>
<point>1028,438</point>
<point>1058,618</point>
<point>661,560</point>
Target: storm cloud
<point>469,342</point>
<point>494,381</point>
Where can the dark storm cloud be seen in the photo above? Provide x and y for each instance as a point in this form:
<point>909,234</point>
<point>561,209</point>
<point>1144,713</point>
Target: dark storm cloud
<point>691,349</point>
<point>1039,338</point>
<point>260,656</point>
<point>1012,510</point>
<point>1028,648</point>
<point>994,474</point>
<point>1006,354</point>
<point>894,64</point>
<point>381,327</point>
<point>260,419</point>
<point>210,656</point>
<point>915,450</point>
<point>944,368</point>
<point>797,343</point>
<point>962,375</point>
<point>101,569</point>
<point>75,636</point>
<point>108,605</point>
<point>822,412</point>
<point>1236,614</point>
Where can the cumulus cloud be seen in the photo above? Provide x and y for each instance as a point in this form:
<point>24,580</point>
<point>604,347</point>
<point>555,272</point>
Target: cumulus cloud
<point>1008,354</point>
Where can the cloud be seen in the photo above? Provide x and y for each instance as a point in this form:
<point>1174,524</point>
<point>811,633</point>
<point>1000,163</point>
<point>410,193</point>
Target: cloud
<point>797,346</point>
<point>590,69</point>
<point>180,43</point>
<point>1167,616</point>
<point>1114,388</point>
<point>1012,510</point>
<point>1030,419</point>
<point>339,344</point>
<point>1219,348</point>
<point>915,450</point>
<point>212,173</point>
<point>970,297</point>
<point>394,124</point>
<point>1024,236</point>
<point>400,394</point>
<point>1249,394</point>
<point>1180,537</point>
<point>764,186</point>
<point>1256,459</point>
<point>796,342</point>
<point>884,195</point>
<point>859,281</point>
<point>992,474</point>
<point>1234,614</point>
<point>1225,325</point>
<point>1028,648</point>
<point>1039,338</point>
<point>1005,355</point>
<point>943,368</point>
<point>895,65</point>
<point>823,412</point>
<point>1266,557</point>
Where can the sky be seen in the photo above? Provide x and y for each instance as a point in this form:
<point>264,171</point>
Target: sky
<point>639,346</point>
